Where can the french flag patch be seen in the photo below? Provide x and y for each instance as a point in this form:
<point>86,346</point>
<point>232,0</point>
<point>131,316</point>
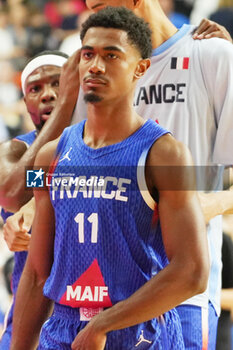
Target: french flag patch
<point>180,63</point>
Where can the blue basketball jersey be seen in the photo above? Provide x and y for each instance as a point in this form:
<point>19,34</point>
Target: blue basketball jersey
<point>105,243</point>
<point>19,257</point>
<point>106,246</point>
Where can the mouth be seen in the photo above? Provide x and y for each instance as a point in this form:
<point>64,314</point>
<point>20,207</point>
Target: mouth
<point>94,82</point>
<point>46,113</point>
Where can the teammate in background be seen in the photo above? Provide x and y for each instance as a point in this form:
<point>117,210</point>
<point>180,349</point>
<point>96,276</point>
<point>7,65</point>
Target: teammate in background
<point>97,227</point>
<point>40,84</point>
<point>183,95</point>
<point>15,157</point>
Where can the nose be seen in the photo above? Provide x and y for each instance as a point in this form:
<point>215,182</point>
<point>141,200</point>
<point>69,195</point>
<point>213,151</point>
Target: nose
<point>97,66</point>
<point>48,94</point>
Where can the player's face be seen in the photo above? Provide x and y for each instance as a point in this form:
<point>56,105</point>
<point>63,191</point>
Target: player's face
<point>42,88</point>
<point>107,65</point>
<point>96,5</point>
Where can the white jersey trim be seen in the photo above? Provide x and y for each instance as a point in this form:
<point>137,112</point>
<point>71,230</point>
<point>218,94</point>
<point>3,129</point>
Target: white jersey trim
<point>141,179</point>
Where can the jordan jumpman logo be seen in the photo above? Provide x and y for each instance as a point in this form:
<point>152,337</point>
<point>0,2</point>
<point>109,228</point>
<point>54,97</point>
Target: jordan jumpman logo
<point>66,156</point>
<point>142,339</point>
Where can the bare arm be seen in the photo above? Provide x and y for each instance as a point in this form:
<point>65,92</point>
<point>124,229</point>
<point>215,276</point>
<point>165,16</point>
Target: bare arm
<point>32,308</point>
<point>183,230</point>
<point>227,274</point>
<point>17,227</point>
<point>216,203</point>
<point>12,169</point>
<point>227,299</point>
<point>209,29</point>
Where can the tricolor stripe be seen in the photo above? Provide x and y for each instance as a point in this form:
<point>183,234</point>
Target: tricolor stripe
<point>180,63</point>
<point>205,328</point>
<point>52,168</point>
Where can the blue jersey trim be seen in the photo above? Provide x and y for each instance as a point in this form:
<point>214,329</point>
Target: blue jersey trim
<point>168,43</point>
<point>28,138</point>
<point>94,153</point>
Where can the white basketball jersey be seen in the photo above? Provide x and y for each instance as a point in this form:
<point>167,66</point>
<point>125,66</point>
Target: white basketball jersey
<point>189,90</point>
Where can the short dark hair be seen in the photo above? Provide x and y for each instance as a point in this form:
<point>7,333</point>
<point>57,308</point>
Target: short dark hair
<point>138,31</point>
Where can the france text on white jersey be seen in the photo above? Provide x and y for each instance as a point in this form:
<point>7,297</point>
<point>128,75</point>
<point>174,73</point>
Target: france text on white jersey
<point>188,90</point>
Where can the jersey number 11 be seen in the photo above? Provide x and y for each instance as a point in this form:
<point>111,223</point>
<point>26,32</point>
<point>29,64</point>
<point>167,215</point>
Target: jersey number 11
<point>93,219</point>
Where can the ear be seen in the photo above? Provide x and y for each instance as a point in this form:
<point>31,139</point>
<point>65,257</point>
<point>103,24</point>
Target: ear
<point>136,3</point>
<point>141,68</point>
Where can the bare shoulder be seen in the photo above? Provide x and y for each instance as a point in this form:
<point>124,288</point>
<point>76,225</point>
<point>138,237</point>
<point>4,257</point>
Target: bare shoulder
<point>168,151</point>
<point>170,166</point>
<point>46,154</point>
<point>13,148</point>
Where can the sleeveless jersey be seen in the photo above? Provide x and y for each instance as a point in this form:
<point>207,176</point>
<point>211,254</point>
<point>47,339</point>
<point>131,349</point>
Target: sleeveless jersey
<point>19,257</point>
<point>188,90</point>
<point>105,244</point>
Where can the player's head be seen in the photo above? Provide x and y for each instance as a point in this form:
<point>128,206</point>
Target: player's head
<point>40,84</point>
<point>116,45</point>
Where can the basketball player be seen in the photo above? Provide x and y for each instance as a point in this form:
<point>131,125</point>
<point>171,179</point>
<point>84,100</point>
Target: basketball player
<point>14,155</point>
<point>40,85</point>
<point>188,90</point>
<point>16,238</point>
<point>12,223</point>
<point>102,259</point>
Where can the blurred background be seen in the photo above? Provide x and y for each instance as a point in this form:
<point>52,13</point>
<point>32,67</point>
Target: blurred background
<point>28,27</point>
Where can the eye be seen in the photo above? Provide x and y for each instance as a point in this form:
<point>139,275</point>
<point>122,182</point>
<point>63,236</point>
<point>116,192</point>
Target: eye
<point>34,88</point>
<point>112,56</point>
<point>56,83</point>
<point>87,55</point>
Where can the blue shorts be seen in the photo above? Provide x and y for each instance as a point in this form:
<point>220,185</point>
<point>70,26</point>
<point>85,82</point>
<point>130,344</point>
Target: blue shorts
<point>199,327</point>
<point>62,327</point>
<point>6,339</point>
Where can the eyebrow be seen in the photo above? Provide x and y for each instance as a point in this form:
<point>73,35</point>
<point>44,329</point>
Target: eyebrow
<point>107,48</point>
<point>97,5</point>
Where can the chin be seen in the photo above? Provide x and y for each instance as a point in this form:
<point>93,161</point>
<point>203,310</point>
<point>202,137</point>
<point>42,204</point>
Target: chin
<point>92,98</point>
<point>40,126</point>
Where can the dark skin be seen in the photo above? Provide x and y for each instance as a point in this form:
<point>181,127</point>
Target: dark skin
<point>209,29</point>
<point>42,103</point>
<point>187,272</point>
<point>42,90</point>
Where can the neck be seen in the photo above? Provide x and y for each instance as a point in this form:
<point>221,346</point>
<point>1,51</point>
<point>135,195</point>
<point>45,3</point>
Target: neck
<point>107,124</point>
<point>161,26</point>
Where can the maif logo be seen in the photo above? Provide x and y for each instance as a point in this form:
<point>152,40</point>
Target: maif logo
<point>35,178</point>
